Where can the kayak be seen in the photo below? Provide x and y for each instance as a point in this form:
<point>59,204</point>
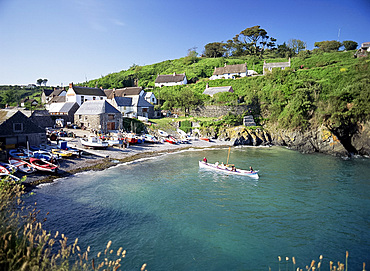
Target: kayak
<point>241,172</point>
<point>43,165</point>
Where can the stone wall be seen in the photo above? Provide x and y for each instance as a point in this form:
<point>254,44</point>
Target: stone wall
<point>218,111</point>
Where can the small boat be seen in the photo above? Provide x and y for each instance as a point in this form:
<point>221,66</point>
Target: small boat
<point>162,133</point>
<point>4,170</point>
<point>150,139</point>
<point>22,166</point>
<point>205,139</point>
<point>43,165</point>
<point>18,153</point>
<point>171,139</point>
<point>61,153</point>
<point>94,142</point>
<point>45,155</point>
<point>224,169</point>
<point>9,167</point>
<point>9,177</point>
<point>114,141</point>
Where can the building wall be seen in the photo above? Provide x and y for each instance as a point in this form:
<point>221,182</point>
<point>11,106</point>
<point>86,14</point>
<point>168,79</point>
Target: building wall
<point>99,122</point>
<point>228,75</point>
<point>183,82</point>
<point>218,111</point>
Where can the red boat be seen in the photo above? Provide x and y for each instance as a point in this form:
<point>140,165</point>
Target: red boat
<point>4,170</point>
<point>171,140</point>
<point>43,165</point>
<point>205,139</point>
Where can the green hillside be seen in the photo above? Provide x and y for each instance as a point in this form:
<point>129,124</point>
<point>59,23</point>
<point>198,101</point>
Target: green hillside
<point>320,87</point>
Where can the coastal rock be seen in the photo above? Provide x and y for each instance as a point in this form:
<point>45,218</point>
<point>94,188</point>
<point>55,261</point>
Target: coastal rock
<point>361,140</point>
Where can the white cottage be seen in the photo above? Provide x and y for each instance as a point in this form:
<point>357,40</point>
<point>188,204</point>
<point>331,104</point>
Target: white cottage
<point>170,80</point>
<point>230,71</point>
<point>79,95</point>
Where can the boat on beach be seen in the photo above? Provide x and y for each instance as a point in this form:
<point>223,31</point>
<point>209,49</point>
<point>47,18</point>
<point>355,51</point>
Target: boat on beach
<point>171,140</point>
<point>18,153</point>
<point>8,177</point>
<point>229,170</point>
<point>150,139</point>
<point>61,153</point>
<point>43,165</point>
<point>94,142</point>
<point>4,170</point>
<point>9,167</point>
<point>22,166</point>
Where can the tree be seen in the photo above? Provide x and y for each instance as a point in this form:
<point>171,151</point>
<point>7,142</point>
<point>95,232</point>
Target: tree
<point>192,56</point>
<point>44,81</point>
<point>328,46</point>
<point>252,41</point>
<point>349,45</point>
<point>296,45</point>
<point>284,51</point>
<point>214,49</point>
<point>39,81</point>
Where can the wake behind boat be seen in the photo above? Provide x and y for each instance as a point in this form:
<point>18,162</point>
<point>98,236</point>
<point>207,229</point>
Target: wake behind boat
<point>224,169</point>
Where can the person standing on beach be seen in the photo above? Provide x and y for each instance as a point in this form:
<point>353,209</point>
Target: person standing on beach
<point>205,160</point>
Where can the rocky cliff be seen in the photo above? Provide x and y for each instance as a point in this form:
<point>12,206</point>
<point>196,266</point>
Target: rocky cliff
<point>320,139</point>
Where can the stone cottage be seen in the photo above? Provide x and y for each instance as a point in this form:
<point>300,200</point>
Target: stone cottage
<point>98,115</point>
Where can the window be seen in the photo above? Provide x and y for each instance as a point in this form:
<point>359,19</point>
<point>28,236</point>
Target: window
<point>17,127</point>
<point>82,99</point>
<point>94,98</point>
<point>110,116</point>
<point>101,98</point>
<point>80,117</point>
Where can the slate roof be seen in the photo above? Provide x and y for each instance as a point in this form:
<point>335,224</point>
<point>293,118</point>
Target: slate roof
<point>170,78</point>
<point>88,91</point>
<point>237,68</point>
<point>96,107</point>
<point>123,101</point>
<point>122,92</point>
<point>29,127</point>
<point>141,102</point>
<point>57,99</point>
<point>213,90</point>
<point>61,107</point>
<point>47,92</point>
<point>57,92</point>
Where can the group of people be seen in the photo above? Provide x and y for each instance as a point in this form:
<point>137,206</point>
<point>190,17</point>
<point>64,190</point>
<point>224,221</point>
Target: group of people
<point>223,166</point>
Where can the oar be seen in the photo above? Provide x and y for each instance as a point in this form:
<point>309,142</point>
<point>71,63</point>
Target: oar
<point>227,162</point>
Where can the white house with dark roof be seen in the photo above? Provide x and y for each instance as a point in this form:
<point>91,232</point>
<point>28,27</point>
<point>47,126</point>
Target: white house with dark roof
<point>98,115</point>
<point>267,67</point>
<point>170,80</point>
<point>213,90</point>
<point>230,71</point>
<point>123,92</point>
<point>80,95</point>
<point>150,97</point>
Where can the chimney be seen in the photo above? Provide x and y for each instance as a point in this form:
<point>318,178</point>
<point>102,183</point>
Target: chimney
<point>71,85</point>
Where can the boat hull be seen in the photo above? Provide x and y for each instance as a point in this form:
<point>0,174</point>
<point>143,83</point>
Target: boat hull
<point>43,165</point>
<point>22,166</point>
<point>239,172</point>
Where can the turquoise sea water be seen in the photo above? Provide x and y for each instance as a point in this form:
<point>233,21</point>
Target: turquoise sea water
<point>170,214</point>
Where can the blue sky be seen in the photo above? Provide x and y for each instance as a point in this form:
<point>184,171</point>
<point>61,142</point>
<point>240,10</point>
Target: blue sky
<point>74,40</point>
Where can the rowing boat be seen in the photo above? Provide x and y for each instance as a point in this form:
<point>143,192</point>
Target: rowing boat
<point>22,166</point>
<point>228,170</point>
<point>43,165</point>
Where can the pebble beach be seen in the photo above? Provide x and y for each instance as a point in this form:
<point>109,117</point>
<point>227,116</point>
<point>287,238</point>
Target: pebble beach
<point>102,159</point>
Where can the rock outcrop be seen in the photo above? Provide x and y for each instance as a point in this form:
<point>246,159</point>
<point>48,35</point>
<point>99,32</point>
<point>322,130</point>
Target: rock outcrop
<point>320,139</point>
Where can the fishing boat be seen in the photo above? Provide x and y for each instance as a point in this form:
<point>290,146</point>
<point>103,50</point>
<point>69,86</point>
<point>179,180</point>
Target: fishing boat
<point>9,167</point>
<point>171,139</point>
<point>22,166</point>
<point>4,170</point>
<point>18,153</point>
<point>8,177</point>
<point>43,165</point>
<point>229,170</point>
<point>94,142</point>
<point>150,139</point>
<point>61,153</point>
<point>45,155</point>
<point>162,133</point>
